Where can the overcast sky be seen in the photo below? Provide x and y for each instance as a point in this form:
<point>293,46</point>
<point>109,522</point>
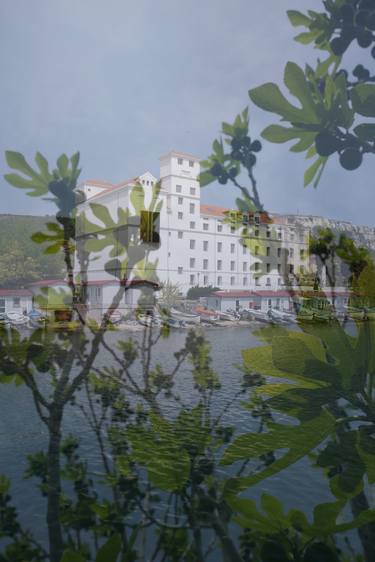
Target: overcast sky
<point>124,81</point>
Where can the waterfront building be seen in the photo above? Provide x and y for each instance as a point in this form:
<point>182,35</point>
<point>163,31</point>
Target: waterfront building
<point>15,300</point>
<point>190,242</point>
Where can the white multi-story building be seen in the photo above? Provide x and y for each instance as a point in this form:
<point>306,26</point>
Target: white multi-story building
<point>193,243</point>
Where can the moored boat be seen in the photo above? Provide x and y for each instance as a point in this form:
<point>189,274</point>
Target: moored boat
<point>17,318</point>
<point>185,316</point>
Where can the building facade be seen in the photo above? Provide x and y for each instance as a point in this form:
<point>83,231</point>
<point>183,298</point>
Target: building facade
<point>187,242</point>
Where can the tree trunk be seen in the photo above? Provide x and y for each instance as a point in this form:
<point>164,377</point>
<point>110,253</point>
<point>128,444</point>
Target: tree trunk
<point>54,488</point>
<point>366,532</point>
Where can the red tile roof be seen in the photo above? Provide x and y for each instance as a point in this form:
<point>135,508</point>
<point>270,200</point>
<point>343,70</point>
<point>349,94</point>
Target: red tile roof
<point>15,293</point>
<point>213,210</point>
<point>234,294</point>
<point>47,282</point>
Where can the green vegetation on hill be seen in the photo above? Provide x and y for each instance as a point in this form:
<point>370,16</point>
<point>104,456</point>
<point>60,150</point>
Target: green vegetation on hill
<point>21,260</point>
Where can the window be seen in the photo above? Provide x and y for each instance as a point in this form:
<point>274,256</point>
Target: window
<point>205,280</point>
<point>268,282</point>
<point>244,266</point>
<point>205,245</point>
<point>180,200</point>
<point>180,270</point>
<point>256,266</point>
<point>256,232</point>
<point>292,235</point>
<point>2,305</point>
<point>219,264</point>
<point>180,234</point>
<point>268,250</point>
<point>191,163</point>
<point>232,280</point>
<point>279,282</point>
<point>192,262</point>
<point>150,227</point>
<point>256,219</point>
<point>205,264</point>
<point>302,254</point>
<point>268,267</point>
<point>279,268</point>
<point>192,191</point>
<point>279,252</point>
<point>219,246</point>
<point>178,188</point>
<point>279,235</point>
<point>268,233</point>
<point>180,215</point>
<point>232,265</point>
<point>269,303</point>
<point>291,252</point>
<point>257,281</point>
<point>219,280</point>
<point>256,250</point>
<point>233,229</point>
<point>244,250</point>
<point>232,248</point>
<point>220,228</point>
<point>192,279</point>
<point>16,302</point>
<point>205,226</point>
<point>192,225</point>
<point>291,268</point>
<point>192,208</point>
<point>244,281</point>
<point>180,161</point>
<point>302,269</point>
<point>192,244</point>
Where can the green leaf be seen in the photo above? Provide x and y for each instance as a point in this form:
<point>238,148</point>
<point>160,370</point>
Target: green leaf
<point>279,134</point>
<point>325,514</point>
<point>137,199</point>
<point>363,99</point>
<point>227,129</point>
<point>4,485</point>
<point>19,181</point>
<point>313,170</point>
<point>43,167</point>
<point>39,237</point>
<point>295,81</point>
<point>272,507</point>
<point>102,213</point>
<point>365,131</point>
<point>306,140</point>
<point>206,178</point>
<point>297,18</point>
<point>305,37</point>
<point>72,556</point>
<point>110,551</point>
<point>53,249</point>
<point>298,440</point>
<point>17,161</point>
<point>269,97</point>
<point>62,164</point>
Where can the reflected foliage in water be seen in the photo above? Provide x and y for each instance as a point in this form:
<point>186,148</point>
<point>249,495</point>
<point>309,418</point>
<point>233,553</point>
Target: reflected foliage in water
<point>175,482</point>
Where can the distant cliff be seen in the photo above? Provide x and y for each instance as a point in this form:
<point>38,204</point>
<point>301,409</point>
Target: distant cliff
<point>362,235</point>
<point>21,259</point>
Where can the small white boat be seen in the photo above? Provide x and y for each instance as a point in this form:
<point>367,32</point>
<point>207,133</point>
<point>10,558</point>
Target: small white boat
<point>226,316</point>
<point>280,316</point>
<point>186,317</point>
<point>259,315</point>
<point>17,318</point>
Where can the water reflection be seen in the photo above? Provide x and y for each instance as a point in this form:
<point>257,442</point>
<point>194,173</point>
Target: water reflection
<point>176,457</point>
